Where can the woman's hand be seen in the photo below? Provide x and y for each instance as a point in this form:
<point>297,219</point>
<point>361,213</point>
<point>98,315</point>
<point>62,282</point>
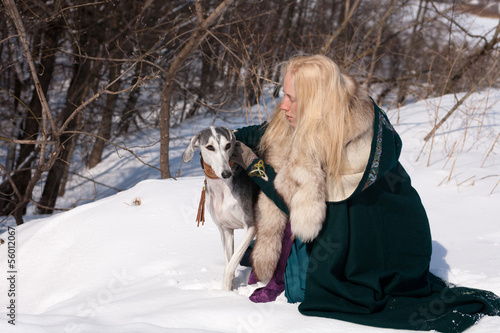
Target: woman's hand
<point>242,155</point>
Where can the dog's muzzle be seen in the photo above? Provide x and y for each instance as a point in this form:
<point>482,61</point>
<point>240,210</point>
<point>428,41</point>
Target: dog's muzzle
<point>226,174</point>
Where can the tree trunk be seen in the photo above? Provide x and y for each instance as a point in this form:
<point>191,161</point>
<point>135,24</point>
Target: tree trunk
<point>107,119</point>
<point>129,112</point>
<point>165,129</point>
<point>71,150</point>
<point>82,79</point>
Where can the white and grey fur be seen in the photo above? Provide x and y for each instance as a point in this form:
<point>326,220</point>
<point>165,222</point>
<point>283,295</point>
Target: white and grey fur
<point>230,198</point>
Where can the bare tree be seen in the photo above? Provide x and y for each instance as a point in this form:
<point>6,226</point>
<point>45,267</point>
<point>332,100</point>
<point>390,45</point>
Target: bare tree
<point>45,136</point>
<point>191,44</point>
<point>44,162</point>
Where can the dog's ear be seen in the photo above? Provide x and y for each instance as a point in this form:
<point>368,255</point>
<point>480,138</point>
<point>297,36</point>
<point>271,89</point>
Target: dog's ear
<point>230,134</point>
<point>187,156</point>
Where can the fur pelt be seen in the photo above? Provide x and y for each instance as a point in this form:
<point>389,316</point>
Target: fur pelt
<point>304,187</point>
<point>271,222</point>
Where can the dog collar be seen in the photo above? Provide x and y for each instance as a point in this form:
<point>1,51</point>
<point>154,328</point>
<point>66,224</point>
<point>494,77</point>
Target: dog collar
<point>210,173</point>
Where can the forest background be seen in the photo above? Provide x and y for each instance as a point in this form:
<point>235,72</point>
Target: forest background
<point>79,76</point>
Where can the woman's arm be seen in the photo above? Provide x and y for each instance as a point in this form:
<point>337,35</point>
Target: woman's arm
<point>261,173</point>
<point>251,135</point>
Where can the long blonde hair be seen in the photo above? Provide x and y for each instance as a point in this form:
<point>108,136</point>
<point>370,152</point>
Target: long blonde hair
<point>327,102</point>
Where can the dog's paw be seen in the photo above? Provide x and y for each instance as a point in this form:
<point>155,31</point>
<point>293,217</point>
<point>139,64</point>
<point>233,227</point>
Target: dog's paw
<point>228,286</point>
<point>228,279</point>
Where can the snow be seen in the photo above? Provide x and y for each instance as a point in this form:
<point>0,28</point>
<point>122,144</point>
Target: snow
<point>135,261</point>
<point>130,258</point>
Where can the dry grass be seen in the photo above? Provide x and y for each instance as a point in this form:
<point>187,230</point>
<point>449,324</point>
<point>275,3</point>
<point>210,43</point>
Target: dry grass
<point>468,130</point>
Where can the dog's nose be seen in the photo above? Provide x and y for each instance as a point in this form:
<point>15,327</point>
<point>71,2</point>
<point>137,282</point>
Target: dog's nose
<point>226,174</point>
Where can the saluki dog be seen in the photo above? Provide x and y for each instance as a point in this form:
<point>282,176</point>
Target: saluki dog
<point>230,193</point>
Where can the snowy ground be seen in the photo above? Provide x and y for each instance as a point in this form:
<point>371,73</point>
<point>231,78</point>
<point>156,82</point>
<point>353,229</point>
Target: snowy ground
<point>112,265</point>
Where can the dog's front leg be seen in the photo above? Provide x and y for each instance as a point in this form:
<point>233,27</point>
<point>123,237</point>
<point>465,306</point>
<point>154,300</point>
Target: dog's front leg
<point>228,244</point>
<point>230,269</point>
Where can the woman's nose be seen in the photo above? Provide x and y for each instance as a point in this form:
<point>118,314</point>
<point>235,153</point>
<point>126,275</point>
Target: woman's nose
<point>285,105</point>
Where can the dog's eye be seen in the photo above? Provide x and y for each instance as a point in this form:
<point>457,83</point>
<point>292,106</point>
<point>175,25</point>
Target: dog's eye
<point>210,147</point>
<point>228,146</point>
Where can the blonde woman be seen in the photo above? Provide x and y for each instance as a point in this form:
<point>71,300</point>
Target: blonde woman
<point>339,226</point>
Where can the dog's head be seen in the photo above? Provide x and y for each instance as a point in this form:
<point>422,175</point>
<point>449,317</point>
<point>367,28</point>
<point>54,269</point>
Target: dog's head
<point>216,147</point>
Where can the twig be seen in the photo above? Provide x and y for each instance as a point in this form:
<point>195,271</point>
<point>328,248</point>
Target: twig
<point>452,168</point>
<point>95,181</point>
<point>338,31</point>
<point>95,96</point>
<point>139,59</point>
<point>23,104</point>
<point>199,10</point>
<point>29,142</point>
<point>239,59</point>
<point>452,20</point>
<point>494,187</point>
<point>491,149</point>
<point>11,181</point>
<point>115,145</point>
<point>47,207</point>
<point>465,180</point>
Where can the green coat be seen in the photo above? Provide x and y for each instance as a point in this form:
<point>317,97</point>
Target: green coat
<point>370,262</point>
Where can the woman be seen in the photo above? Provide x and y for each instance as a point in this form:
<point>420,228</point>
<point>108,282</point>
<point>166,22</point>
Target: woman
<point>340,227</point>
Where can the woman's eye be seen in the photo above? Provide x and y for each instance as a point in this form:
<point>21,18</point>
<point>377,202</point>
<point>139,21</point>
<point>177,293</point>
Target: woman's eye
<point>290,98</point>
<point>210,147</point>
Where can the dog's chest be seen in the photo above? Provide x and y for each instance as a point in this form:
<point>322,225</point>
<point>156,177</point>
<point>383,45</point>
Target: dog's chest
<point>224,208</point>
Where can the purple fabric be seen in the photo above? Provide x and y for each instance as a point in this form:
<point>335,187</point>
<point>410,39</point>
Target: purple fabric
<point>276,285</point>
<point>252,279</point>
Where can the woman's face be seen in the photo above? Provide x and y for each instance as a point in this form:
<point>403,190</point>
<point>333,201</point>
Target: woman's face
<point>289,102</point>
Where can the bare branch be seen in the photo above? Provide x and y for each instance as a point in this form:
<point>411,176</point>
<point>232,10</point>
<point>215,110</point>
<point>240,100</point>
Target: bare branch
<point>379,41</point>
<point>117,146</point>
<point>199,10</point>
<point>29,142</point>
<point>6,173</point>
<point>96,96</point>
<point>453,21</point>
<point>338,31</point>
<point>24,41</point>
